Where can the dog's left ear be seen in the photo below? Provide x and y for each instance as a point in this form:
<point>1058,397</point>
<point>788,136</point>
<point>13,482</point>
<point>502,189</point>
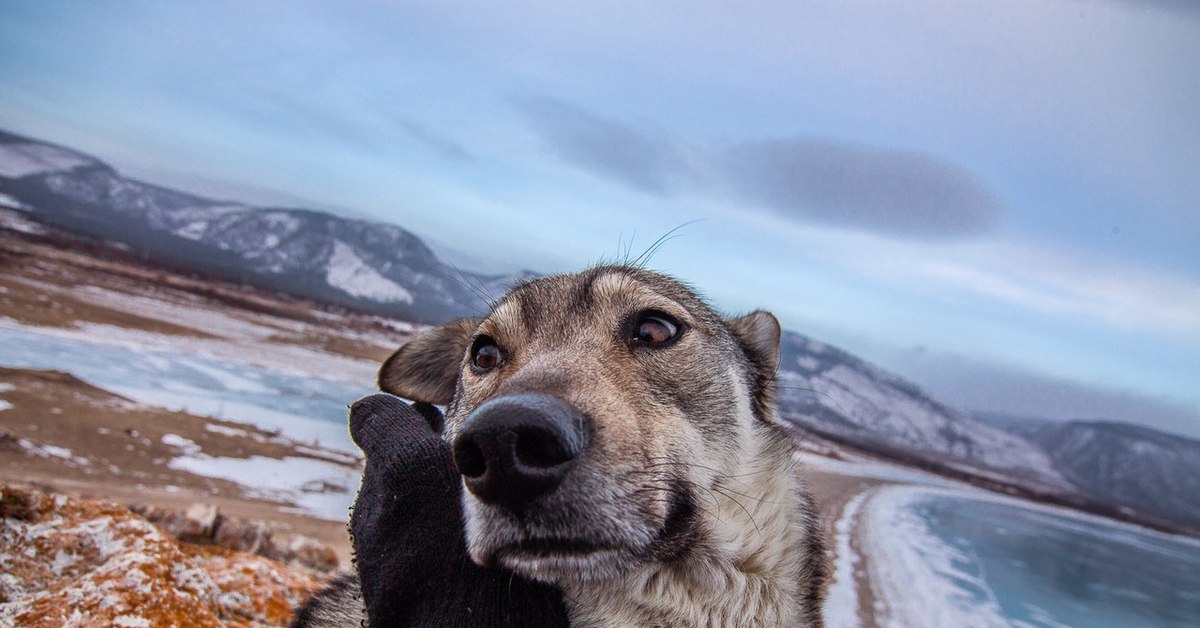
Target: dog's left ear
<point>758,334</point>
<point>426,369</point>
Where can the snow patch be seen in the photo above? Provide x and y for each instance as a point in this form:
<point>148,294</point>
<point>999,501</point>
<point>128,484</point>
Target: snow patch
<point>9,201</point>
<point>22,159</point>
<point>350,274</point>
<point>226,431</point>
<point>4,405</point>
<point>43,450</point>
<point>16,222</point>
<point>319,488</point>
<point>186,445</point>
<point>841,600</point>
<point>63,560</point>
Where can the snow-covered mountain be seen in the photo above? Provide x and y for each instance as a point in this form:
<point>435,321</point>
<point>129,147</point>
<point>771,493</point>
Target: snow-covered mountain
<point>833,393</point>
<point>1140,468</point>
<point>364,265</point>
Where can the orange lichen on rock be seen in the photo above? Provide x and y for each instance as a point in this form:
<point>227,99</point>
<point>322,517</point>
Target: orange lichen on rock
<point>67,561</point>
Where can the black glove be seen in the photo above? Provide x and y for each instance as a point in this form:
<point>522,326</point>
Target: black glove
<point>407,532</point>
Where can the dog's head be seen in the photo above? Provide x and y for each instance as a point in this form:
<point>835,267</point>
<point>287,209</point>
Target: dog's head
<point>589,414</point>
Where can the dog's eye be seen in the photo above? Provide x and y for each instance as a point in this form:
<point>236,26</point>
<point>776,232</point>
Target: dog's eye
<point>485,355</point>
<point>654,329</point>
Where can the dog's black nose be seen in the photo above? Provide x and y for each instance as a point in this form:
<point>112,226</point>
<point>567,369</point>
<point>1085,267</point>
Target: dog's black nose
<point>514,449</point>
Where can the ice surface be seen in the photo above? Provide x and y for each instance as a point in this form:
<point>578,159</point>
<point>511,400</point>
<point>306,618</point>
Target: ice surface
<point>925,570</point>
<point>304,408</point>
<point>322,489</point>
<point>920,580</point>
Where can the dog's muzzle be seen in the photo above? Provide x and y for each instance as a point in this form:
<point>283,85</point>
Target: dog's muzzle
<point>515,449</point>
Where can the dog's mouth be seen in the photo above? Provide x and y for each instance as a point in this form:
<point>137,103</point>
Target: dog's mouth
<point>551,547</point>
<point>557,559</point>
<point>580,557</point>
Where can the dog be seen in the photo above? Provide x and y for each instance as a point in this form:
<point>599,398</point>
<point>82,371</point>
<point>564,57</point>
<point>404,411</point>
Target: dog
<point>617,438</point>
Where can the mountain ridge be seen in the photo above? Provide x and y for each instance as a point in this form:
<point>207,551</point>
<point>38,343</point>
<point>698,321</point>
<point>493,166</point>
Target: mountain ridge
<point>365,265</point>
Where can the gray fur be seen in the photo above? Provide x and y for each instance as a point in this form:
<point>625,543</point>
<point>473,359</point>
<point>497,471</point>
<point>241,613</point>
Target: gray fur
<point>339,605</point>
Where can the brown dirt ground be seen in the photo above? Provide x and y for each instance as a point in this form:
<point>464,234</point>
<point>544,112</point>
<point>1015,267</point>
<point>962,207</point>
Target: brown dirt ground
<point>831,492</point>
<point>43,281</point>
<point>126,460</point>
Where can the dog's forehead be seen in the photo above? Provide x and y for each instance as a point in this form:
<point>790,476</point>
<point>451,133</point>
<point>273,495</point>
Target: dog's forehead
<point>577,296</point>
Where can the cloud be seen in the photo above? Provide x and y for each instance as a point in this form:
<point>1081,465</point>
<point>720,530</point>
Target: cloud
<point>1079,287</point>
<point>644,160</point>
<point>1186,8</point>
<point>987,387</point>
<point>811,179</point>
<point>884,190</point>
<point>434,140</point>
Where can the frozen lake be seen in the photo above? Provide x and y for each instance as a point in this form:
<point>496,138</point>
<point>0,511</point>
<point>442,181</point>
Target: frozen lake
<point>943,558</point>
<point>303,407</point>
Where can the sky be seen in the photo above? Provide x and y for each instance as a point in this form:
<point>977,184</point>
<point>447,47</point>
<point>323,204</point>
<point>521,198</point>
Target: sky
<point>999,200</point>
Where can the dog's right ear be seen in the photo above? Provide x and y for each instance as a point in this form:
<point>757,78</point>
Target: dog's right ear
<point>426,368</point>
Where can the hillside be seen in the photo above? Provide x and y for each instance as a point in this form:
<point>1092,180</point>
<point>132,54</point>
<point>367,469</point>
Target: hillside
<point>369,266</point>
<point>1143,469</point>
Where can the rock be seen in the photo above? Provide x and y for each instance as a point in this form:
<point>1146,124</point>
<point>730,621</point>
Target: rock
<point>205,525</point>
<point>66,561</point>
<point>245,535</point>
<point>197,524</point>
<point>200,520</point>
<point>297,549</point>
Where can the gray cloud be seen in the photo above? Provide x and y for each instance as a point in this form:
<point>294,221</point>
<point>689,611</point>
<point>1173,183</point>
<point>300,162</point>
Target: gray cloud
<point>434,140</point>
<point>1187,8</point>
<point>812,179</point>
<point>642,159</point>
<point>980,386</point>
<point>316,120</point>
<point>892,191</point>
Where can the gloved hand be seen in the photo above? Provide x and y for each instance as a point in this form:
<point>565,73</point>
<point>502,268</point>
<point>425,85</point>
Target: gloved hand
<point>407,532</point>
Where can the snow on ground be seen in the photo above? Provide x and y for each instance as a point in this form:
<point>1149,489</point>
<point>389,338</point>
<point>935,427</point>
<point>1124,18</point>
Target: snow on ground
<point>279,357</point>
<point>318,488</point>
<point>187,314</point>
<point>43,450</point>
<point>14,221</point>
<point>841,600</point>
<point>8,201</point>
<point>305,408</point>
<point>327,433</point>
<point>350,274</point>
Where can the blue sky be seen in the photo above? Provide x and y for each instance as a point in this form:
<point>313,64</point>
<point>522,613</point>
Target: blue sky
<point>999,200</point>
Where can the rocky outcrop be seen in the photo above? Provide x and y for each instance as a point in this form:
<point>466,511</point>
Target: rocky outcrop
<point>203,524</point>
<point>69,562</point>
